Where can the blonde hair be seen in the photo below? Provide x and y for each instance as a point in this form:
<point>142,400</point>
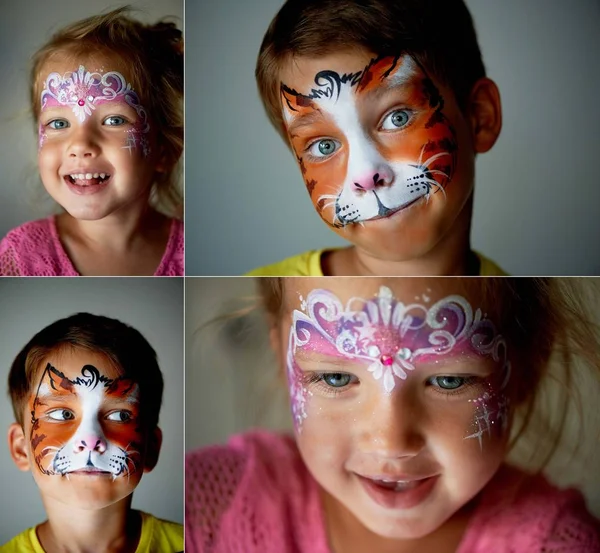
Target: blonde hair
<point>154,56</point>
<point>547,322</point>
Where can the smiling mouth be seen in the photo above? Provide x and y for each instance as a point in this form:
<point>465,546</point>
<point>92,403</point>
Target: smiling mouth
<point>87,179</point>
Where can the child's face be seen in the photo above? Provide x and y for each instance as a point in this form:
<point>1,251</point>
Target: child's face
<point>399,394</point>
<point>384,150</point>
<point>87,444</point>
<point>97,146</point>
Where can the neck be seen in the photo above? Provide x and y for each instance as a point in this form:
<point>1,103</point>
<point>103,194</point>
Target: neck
<point>451,256</point>
<point>114,529</point>
<point>119,231</point>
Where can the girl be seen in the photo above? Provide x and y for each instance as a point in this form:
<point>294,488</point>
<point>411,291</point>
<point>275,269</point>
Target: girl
<point>406,395</point>
<point>106,95</point>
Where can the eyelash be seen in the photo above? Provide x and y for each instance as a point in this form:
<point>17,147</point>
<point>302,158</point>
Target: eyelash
<point>317,379</point>
<point>410,114</point>
<point>63,410</point>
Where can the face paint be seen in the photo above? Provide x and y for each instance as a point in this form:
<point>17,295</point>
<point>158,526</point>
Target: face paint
<point>374,172</point>
<point>83,90</point>
<point>389,336</point>
<point>72,432</point>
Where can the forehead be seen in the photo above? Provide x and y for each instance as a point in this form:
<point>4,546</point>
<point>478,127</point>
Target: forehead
<point>96,63</point>
<point>404,289</point>
<point>300,72</point>
<point>70,361</point>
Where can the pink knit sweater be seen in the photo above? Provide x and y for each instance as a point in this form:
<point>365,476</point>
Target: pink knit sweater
<point>255,495</point>
<point>34,249</point>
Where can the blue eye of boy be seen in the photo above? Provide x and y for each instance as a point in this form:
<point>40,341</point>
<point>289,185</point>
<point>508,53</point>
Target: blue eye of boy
<point>323,148</point>
<point>396,120</point>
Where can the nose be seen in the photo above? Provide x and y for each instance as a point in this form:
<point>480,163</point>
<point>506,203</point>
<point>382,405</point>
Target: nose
<point>91,443</point>
<point>83,143</point>
<point>371,180</point>
<point>395,428</point>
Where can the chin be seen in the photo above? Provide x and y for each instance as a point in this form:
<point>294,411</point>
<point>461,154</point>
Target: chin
<point>401,528</point>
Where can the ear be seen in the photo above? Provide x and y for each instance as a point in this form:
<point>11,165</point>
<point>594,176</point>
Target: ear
<point>17,445</point>
<point>153,449</point>
<point>485,114</point>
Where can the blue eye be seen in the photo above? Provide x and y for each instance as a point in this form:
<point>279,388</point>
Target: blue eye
<point>115,121</point>
<point>119,416</point>
<point>336,380</point>
<point>58,124</point>
<point>448,382</point>
<point>323,148</point>
<point>396,120</point>
<point>61,415</point>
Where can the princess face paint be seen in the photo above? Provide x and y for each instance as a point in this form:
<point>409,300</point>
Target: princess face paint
<point>371,142</point>
<point>391,338</point>
<point>83,90</point>
<point>85,425</point>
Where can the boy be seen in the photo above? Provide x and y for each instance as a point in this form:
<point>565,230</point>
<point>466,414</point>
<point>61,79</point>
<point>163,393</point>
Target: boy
<point>385,104</point>
<point>86,394</point>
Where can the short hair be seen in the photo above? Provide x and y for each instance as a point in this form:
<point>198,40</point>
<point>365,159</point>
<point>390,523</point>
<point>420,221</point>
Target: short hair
<point>439,34</point>
<point>122,344</point>
<point>154,58</point>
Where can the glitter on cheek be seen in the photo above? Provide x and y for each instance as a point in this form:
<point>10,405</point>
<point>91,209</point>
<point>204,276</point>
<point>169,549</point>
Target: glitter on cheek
<point>490,414</point>
<point>42,136</point>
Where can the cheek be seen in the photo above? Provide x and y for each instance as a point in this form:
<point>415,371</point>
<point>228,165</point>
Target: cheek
<point>46,437</point>
<point>128,437</point>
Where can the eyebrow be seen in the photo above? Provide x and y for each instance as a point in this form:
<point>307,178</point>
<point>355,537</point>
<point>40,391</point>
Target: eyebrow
<point>305,120</point>
<point>387,88</point>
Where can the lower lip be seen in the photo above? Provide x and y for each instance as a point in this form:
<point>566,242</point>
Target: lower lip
<point>89,473</point>
<point>395,212</point>
<point>85,190</point>
<point>391,499</point>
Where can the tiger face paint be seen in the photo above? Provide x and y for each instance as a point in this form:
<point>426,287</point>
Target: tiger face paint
<point>377,143</point>
<point>392,338</point>
<point>85,423</point>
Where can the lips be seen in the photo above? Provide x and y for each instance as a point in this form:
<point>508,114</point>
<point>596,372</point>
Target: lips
<point>83,183</point>
<point>401,493</point>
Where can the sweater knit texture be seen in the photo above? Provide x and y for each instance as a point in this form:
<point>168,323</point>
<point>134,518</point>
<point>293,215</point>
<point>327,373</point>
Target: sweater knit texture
<point>255,495</point>
<point>34,249</point>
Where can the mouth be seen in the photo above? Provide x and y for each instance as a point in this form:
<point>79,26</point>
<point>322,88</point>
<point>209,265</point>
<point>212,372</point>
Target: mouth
<point>87,183</point>
<point>398,494</point>
<point>391,212</point>
<point>89,471</point>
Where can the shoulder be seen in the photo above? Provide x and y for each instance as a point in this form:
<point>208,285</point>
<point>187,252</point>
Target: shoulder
<point>172,262</point>
<point>31,249</point>
<point>487,267</point>
<point>160,535</point>
<point>526,513</point>
<point>25,542</point>
<point>257,482</point>
<point>304,264</point>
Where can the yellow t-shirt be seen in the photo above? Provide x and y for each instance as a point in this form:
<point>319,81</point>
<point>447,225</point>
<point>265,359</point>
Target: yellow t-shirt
<point>158,536</point>
<point>309,264</point>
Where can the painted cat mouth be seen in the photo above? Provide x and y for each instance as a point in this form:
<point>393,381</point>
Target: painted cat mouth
<point>389,212</point>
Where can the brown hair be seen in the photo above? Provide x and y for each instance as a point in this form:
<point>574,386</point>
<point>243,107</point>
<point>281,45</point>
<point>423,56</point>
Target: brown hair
<point>154,57</point>
<point>123,345</point>
<point>543,320</point>
<point>439,34</point>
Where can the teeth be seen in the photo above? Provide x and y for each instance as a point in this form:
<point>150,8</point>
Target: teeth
<point>102,175</point>
<point>88,176</point>
<point>95,175</point>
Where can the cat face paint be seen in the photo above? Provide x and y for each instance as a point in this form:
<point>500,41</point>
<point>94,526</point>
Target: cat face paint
<point>373,142</point>
<point>88,424</point>
<point>392,338</point>
<point>83,90</point>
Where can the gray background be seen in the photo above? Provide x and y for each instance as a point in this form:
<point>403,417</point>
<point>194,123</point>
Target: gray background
<point>537,200</point>
<point>232,382</point>
<point>24,27</point>
<point>154,307</point>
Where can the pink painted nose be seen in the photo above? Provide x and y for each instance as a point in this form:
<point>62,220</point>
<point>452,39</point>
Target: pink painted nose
<point>91,443</point>
<point>371,181</point>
